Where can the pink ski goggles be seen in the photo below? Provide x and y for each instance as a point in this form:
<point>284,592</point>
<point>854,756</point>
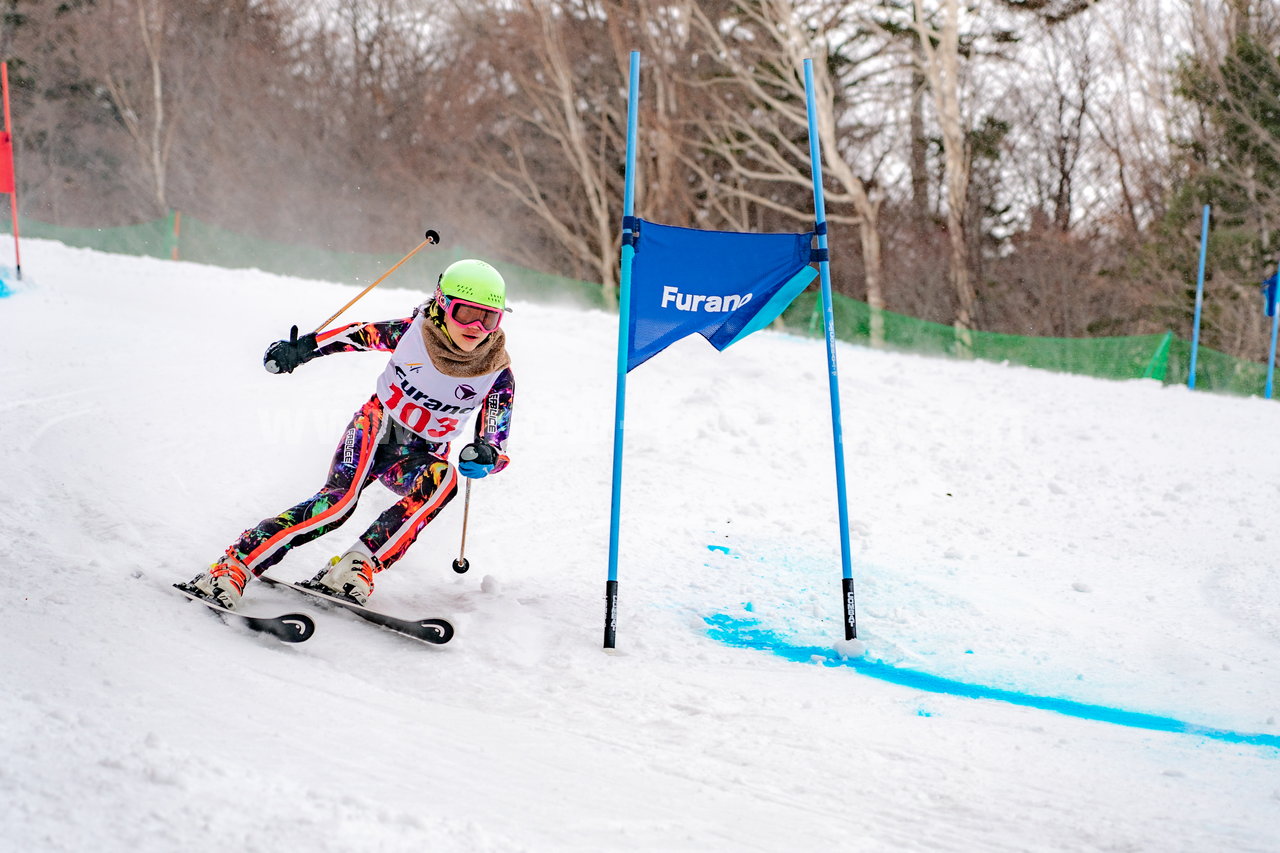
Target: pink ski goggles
<point>472,315</point>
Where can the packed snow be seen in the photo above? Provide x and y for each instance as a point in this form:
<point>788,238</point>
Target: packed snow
<point>1112,544</point>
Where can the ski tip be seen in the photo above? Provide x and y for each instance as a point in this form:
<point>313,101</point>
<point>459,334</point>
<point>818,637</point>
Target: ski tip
<point>289,628</point>
<point>437,631</point>
<point>295,627</point>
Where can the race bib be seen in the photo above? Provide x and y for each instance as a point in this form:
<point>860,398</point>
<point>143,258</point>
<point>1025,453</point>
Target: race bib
<point>424,400</point>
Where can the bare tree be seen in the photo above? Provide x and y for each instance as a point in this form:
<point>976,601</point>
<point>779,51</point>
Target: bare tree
<point>1133,112</point>
<point>148,95</point>
<point>1061,133</point>
<point>940,55</point>
<point>556,137</point>
<point>757,125</point>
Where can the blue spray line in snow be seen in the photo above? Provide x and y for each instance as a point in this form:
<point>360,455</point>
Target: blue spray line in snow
<point>8,281</point>
<point>750,634</point>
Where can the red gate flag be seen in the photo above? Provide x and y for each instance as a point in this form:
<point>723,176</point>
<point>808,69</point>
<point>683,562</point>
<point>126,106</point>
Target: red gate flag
<point>6,162</point>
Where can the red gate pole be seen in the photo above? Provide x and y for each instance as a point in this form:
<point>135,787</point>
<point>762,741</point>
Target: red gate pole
<point>13,196</point>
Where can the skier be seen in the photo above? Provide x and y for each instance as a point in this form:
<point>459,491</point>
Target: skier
<point>448,362</point>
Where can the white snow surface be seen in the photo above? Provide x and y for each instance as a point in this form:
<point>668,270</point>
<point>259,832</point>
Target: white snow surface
<point>1111,543</point>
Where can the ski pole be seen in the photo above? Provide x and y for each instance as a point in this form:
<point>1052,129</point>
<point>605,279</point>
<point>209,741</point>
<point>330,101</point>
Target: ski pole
<point>460,565</point>
<point>431,238</point>
<point>481,450</point>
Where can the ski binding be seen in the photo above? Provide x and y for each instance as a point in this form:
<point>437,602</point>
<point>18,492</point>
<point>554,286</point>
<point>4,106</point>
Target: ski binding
<point>433,631</point>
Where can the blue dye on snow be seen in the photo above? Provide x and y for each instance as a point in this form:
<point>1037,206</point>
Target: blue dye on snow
<point>4,289</point>
<point>722,549</point>
<point>750,634</point>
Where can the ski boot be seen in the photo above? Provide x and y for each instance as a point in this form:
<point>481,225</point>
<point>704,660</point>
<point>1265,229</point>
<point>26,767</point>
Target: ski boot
<point>224,581</point>
<point>349,577</point>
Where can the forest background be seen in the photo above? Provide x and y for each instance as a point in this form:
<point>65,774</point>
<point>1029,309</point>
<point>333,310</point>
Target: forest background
<point>1035,167</point>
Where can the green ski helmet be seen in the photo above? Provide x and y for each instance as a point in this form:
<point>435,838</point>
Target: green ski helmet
<point>474,281</point>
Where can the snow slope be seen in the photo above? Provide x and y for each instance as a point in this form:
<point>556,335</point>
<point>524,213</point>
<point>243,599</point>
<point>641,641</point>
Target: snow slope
<point>1109,543</point>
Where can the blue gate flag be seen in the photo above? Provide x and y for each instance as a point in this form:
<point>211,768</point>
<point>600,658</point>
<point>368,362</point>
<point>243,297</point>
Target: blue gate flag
<point>1269,293</point>
<point>723,285</point>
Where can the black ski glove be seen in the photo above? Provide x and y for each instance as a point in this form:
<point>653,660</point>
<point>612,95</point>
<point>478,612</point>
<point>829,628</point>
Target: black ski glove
<point>284,356</point>
<point>477,459</point>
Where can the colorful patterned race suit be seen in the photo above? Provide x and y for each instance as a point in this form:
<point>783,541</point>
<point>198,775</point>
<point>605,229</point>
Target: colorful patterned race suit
<point>392,447</point>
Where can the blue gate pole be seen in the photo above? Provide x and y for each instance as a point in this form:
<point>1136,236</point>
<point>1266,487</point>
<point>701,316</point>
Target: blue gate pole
<point>624,336</point>
<point>1195,331</point>
<point>1274,310</point>
<point>1271,364</point>
<point>828,319</point>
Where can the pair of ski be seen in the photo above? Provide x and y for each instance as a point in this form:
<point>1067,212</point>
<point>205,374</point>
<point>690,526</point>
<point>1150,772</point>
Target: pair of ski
<point>297,627</point>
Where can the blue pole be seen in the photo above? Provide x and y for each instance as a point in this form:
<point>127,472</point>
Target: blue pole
<point>1195,331</point>
<point>1274,310</point>
<point>624,335</point>
<point>828,318</point>
<point>1271,364</point>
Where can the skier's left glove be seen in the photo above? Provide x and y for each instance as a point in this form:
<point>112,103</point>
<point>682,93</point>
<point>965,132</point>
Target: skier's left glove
<point>477,460</point>
<point>285,356</point>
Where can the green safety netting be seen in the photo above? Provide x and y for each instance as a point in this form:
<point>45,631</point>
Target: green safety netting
<point>189,239</point>
<point>1163,357</point>
<point>1215,371</point>
<point>1127,357</point>
<point>154,239</point>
